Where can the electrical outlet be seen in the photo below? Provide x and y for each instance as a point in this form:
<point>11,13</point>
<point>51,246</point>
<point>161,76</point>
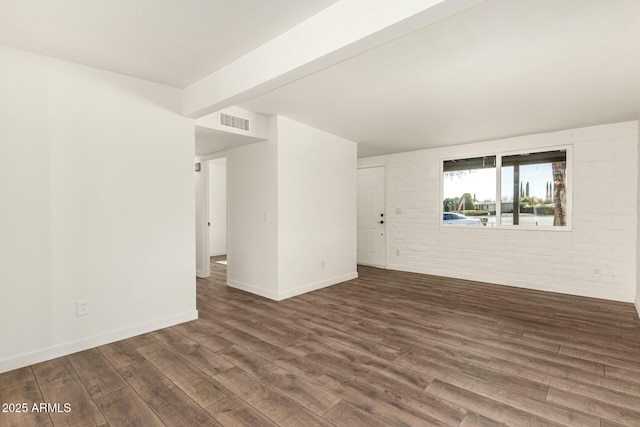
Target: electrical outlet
<point>595,272</point>
<point>397,252</point>
<point>82,307</point>
<point>322,265</point>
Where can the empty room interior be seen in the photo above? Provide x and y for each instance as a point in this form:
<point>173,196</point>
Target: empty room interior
<point>319,213</point>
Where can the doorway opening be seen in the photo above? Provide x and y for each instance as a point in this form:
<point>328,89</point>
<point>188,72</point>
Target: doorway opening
<point>217,222</point>
<point>211,214</point>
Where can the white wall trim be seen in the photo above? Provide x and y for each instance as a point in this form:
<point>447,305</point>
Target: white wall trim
<point>317,285</point>
<point>603,294</point>
<point>372,165</point>
<point>368,264</point>
<point>200,273</point>
<point>252,289</point>
<point>30,358</point>
<point>638,304</point>
<point>218,253</point>
<point>293,292</point>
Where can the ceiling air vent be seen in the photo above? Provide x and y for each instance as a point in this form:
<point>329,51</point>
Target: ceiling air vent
<point>233,121</point>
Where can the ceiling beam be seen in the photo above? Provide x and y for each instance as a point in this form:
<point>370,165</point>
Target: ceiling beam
<point>341,31</point>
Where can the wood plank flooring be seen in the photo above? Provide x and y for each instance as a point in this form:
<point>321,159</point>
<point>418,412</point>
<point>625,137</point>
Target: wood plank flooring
<point>388,348</point>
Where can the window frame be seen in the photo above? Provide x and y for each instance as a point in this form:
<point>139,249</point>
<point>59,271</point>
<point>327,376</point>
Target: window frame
<point>499,155</point>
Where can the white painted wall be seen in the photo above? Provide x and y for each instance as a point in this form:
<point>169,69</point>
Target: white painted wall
<point>25,209</point>
<point>252,221</point>
<point>317,174</point>
<point>97,203</point>
<point>604,234</point>
<point>218,207</point>
<point>291,205</point>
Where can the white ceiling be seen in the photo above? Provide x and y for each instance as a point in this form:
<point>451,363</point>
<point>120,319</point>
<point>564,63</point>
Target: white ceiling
<point>212,140</point>
<point>501,69</point>
<point>174,42</point>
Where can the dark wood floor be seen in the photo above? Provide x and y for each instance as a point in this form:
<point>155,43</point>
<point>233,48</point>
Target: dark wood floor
<point>389,348</point>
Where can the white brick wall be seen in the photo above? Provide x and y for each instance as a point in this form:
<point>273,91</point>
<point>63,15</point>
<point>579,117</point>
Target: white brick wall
<point>603,236</point>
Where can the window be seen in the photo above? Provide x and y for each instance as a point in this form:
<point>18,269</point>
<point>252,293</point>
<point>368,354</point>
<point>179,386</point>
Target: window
<point>531,188</point>
<point>469,188</point>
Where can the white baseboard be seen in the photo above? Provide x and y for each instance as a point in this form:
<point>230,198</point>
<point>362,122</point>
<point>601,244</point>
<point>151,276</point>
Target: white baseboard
<point>279,296</point>
<point>200,273</point>
<point>218,253</point>
<point>71,347</point>
<point>316,285</point>
<point>600,293</point>
<point>638,303</point>
<point>372,265</point>
<point>252,289</point>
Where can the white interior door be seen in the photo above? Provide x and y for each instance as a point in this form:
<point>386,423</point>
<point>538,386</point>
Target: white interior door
<point>371,217</point>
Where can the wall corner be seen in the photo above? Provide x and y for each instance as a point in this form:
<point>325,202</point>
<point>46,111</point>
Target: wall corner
<point>637,300</point>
